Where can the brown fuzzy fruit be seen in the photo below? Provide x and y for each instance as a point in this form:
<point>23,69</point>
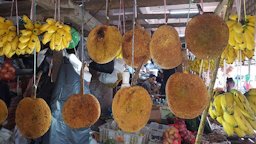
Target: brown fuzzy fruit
<point>131,108</point>
<point>3,111</point>
<point>81,111</point>
<point>186,95</point>
<point>206,36</point>
<point>141,46</point>
<point>104,43</point>
<point>33,117</point>
<point>165,47</point>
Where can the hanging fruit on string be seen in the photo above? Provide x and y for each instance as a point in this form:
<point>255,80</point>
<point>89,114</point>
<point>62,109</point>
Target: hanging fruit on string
<point>234,112</point>
<point>57,34</point>
<point>241,38</point>
<point>29,40</point>
<point>8,38</point>
<point>104,43</point>
<point>3,111</point>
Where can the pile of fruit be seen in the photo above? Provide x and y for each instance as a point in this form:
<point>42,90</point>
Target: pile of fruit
<point>241,38</point>
<point>186,135</point>
<point>57,33</point>
<point>233,111</point>
<point>171,136</point>
<point>8,38</point>
<point>7,71</point>
<point>29,40</point>
<point>251,97</point>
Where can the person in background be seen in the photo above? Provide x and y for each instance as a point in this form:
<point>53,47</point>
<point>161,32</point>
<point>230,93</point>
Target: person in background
<point>150,84</point>
<point>230,84</point>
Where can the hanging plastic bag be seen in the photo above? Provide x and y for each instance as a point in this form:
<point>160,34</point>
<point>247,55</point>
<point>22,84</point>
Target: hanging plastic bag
<point>75,38</point>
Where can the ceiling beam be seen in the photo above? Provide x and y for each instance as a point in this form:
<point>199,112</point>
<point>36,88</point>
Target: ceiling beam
<point>148,16</point>
<point>91,6</point>
<point>147,26</point>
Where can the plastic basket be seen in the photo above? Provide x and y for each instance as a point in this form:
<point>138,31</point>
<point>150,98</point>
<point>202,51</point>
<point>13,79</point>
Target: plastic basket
<point>110,130</point>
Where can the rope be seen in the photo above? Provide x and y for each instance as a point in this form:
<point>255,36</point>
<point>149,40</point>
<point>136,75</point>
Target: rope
<point>82,50</point>
<point>55,9</point>
<point>17,17</point>
<point>133,30</point>
<point>165,16</point>
<point>123,16</point>
<point>245,11</point>
<point>201,67</point>
<point>119,16</point>
<point>58,10</point>
<point>12,8</point>
<point>107,11</point>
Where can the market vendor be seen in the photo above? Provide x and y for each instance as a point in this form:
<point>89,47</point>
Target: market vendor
<point>150,85</point>
<point>230,84</point>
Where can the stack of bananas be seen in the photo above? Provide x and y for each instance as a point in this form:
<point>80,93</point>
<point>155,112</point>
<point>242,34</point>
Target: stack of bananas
<point>195,64</point>
<point>57,33</point>
<point>8,38</point>
<point>241,38</point>
<point>233,111</point>
<point>29,40</point>
<point>251,96</point>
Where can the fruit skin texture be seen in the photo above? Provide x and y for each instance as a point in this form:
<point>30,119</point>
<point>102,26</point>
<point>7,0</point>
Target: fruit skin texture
<point>3,111</point>
<point>131,108</point>
<point>165,47</point>
<point>81,111</point>
<point>187,95</point>
<point>104,43</point>
<point>33,117</point>
<point>141,47</point>
<point>206,36</point>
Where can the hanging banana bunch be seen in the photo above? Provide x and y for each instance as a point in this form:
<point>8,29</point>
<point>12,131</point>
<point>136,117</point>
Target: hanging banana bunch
<point>241,38</point>
<point>57,33</point>
<point>29,40</point>
<point>8,38</point>
<point>195,65</point>
<point>234,112</point>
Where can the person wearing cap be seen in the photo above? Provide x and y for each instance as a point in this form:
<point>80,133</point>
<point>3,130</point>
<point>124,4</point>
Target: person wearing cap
<point>150,84</point>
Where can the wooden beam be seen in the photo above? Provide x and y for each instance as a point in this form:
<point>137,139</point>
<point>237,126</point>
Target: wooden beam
<point>92,5</point>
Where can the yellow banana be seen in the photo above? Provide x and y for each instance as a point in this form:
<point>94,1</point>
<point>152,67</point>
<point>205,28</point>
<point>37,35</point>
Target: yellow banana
<point>228,128</point>
<point>22,45</point>
<point>57,40</point>
<point>251,29</point>
<point>52,29</point>
<point>14,43</point>
<point>59,24</point>
<point>7,48</point>
<point>2,19</point>
<point>28,23</point>
<point>37,25</point>
<point>10,54</point>
<point>67,28</point>
<point>50,21</point>
<point>32,42</point>
<point>248,53</point>
<point>220,119</point>
<point>47,37</point>
<point>231,39</point>
<point>44,27</point>
<point>65,43</point>
<point>253,123</point>
<point>250,130</point>
<point>240,119</point>
<point>52,43</point>
<point>240,133</point>
<point>227,103</point>
<point>252,92</point>
<point>11,36</point>
<point>36,31</point>
<point>24,39</point>
<point>243,104</point>
<point>12,28</point>
<point>29,51</point>
<point>217,105</point>
<point>3,40</point>
<point>26,32</point>
<point>68,37</point>
<point>238,38</point>
<point>233,17</point>
<point>242,46</point>
<point>238,28</point>
<point>1,52</point>
<point>3,32</point>
<point>229,118</point>
<point>230,23</point>
<point>38,45</point>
